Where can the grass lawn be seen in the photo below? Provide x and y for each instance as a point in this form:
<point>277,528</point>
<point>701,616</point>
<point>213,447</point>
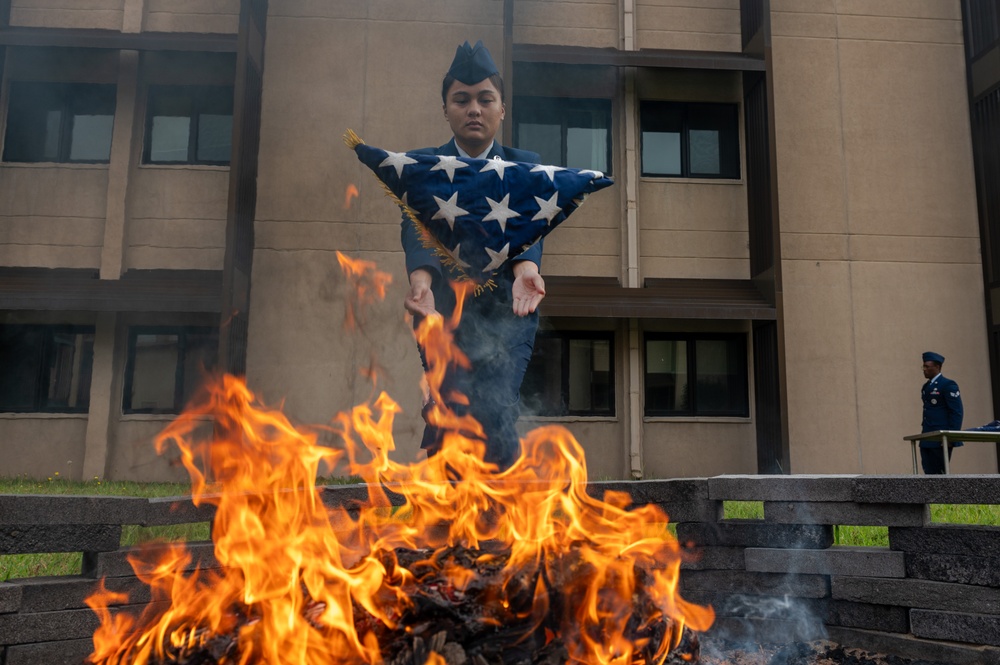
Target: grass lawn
<point>878,536</point>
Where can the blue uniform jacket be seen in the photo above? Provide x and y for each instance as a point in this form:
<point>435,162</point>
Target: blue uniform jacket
<point>942,408</point>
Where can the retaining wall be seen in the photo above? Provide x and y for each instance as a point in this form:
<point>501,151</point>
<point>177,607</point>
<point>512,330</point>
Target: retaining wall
<point>933,594</point>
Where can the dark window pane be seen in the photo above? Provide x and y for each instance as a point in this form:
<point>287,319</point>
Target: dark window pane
<point>694,375</point>
<point>59,122</point>
<point>666,376</point>
<point>721,377</point>
<point>45,368</point>
<point>546,140</point>
<point>70,366</point>
<point>169,139</point>
<point>189,125</point>
<point>215,134</point>
<point>541,390</point>
<point>565,131</point>
<point>154,372</point>
<point>570,374</point>
<point>91,141</point>
<point>21,349</point>
<point>690,140</point>
<point>166,366</point>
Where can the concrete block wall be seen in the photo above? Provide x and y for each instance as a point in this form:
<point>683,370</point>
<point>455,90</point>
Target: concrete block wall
<point>933,594</point>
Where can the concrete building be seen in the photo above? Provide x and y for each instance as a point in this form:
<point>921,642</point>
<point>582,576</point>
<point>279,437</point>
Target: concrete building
<point>794,219</point>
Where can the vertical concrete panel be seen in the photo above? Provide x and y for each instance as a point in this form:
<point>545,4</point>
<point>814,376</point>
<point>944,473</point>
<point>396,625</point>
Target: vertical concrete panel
<point>105,409</point>
<point>820,356</point>
<point>906,128</point>
<point>902,310</point>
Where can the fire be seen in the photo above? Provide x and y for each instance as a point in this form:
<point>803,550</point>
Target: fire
<point>368,285</point>
<point>350,194</point>
<point>303,584</point>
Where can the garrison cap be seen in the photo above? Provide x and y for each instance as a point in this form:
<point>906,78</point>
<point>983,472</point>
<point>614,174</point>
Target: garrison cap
<point>472,64</point>
<point>933,357</point>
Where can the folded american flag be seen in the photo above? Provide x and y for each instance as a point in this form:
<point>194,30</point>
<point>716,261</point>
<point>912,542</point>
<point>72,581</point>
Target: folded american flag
<point>478,213</point>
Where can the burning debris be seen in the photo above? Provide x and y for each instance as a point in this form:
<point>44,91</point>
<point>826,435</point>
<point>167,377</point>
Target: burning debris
<point>477,566</point>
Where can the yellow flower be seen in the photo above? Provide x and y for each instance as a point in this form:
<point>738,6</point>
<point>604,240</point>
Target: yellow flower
<point>57,473</point>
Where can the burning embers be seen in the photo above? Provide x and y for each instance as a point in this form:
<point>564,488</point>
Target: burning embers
<point>476,566</point>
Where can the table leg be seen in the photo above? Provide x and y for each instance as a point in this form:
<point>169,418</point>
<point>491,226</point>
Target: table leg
<point>913,446</point>
<point>944,451</point>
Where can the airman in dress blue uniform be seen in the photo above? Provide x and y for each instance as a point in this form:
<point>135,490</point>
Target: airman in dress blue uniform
<point>497,330</point>
<point>942,411</point>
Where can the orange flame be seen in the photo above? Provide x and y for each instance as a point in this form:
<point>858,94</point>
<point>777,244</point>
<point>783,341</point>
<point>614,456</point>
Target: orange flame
<point>350,194</point>
<point>368,286</point>
<point>302,584</point>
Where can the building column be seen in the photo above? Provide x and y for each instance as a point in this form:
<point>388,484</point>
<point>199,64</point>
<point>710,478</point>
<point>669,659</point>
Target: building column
<point>101,423</point>
<point>119,167</point>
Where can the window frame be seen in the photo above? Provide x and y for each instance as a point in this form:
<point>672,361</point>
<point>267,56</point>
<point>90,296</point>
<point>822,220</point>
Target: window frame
<point>69,105</point>
<point>199,96</point>
<point>684,108</point>
<point>40,396</point>
<point>566,336</point>
<point>739,341</point>
<point>182,331</point>
<point>533,102</point>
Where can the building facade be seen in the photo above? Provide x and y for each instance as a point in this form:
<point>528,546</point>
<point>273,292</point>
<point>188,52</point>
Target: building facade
<point>794,220</point>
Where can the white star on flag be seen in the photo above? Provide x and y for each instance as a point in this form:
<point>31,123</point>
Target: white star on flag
<point>496,164</point>
<point>453,253</point>
<point>547,210</point>
<point>496,258</point>
<point>500,211</point>
<point>592,173</point>
<point>397,160</point>
<point>449,210</point>
<point>448,164</point>
<point>548,170</point>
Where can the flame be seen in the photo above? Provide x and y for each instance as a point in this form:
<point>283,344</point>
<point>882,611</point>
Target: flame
<point>350,194</point>
<point>368,286</point>
<point>303,584</point>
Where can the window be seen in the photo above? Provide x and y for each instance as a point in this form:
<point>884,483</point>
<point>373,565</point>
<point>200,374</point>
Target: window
<point>690,140</point>
<point>59,122</point>
<point>189,125</point>
<point>166,366</point>
<point>570,373</point>
<point>46,368</point>
<point>696,375</point>
<point>565,131</point>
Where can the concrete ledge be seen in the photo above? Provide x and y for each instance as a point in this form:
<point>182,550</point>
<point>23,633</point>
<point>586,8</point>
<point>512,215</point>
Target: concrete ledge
<point>919,594</point>
<point>26,628</point>
<point>50,594</point>
<point>716,558</point>
<point>29,538</point>
<point>926,489</point>
<point>115,563</point>
<point>846,512</point>
<point>964,540</point>
<point>956,627</point>
<point>907,646</point>
<point>10,598</point>
<point>756,533</point>
<point>63,652</point>
<point>742,582</point>
<point>16,509</point>
<point>781,488</point>
<point>869,616</point>
<point>836,560</point>
<point>977,570</point>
